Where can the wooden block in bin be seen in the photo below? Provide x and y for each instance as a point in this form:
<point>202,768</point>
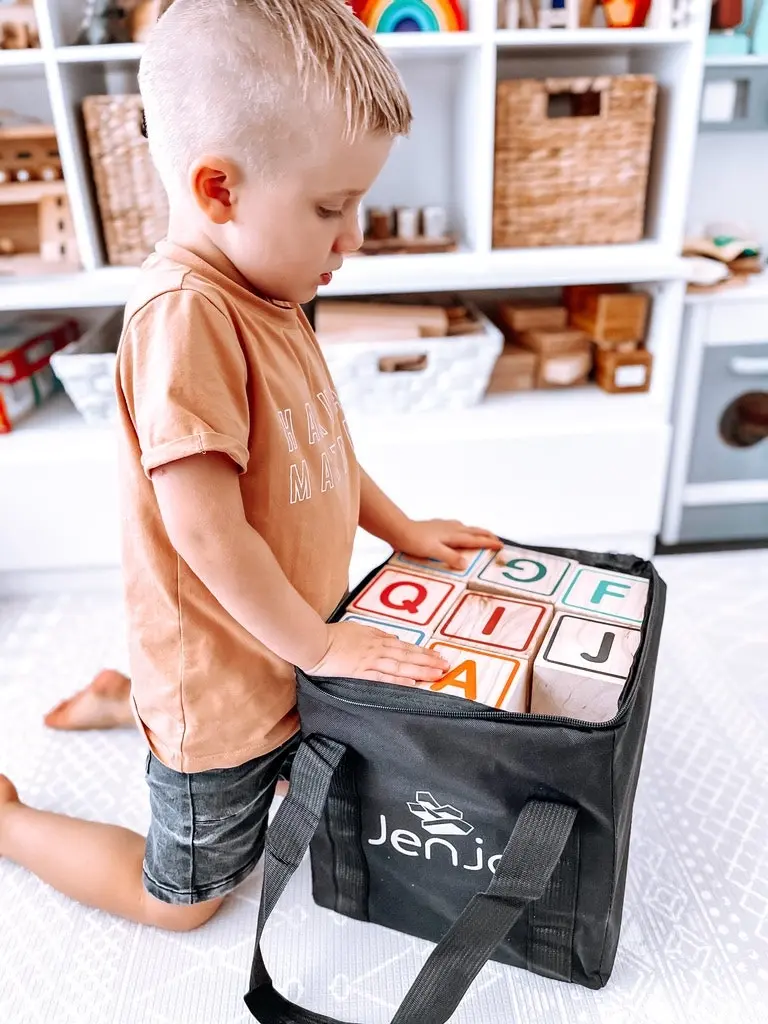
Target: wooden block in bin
<point>485,622</point>
<point>407,597</point>
<point>613,317</point>
<point>409,634</point>
<point>575,296</point>
<point>515,370</point>
<point>553,342</point>
<point>530,316</point>
<point>566,369</point>
<point>610,596</point>
<point>521,572</point>
<point>494,679</point>
<point>624,372</point>
<point>475,558</point>
<point>582,668</point>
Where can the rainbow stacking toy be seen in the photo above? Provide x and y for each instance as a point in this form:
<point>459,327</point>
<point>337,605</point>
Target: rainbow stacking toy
<point>411,15</point>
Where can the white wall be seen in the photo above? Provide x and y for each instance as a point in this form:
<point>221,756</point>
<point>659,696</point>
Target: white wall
<point>729,182</point>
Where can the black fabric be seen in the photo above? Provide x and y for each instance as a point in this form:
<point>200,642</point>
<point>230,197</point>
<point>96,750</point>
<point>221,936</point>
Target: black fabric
<point>421,809</point>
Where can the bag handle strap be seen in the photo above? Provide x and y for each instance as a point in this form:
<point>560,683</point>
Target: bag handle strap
<point>529,859</point>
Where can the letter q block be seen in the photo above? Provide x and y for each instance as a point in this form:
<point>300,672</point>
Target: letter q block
<point>491,679</point>
<point>496,624</point>
<point>410,634</point>
<point>612,596</point>
<point>417,600</point>
<point>520,572</point>
<point>582,668</point>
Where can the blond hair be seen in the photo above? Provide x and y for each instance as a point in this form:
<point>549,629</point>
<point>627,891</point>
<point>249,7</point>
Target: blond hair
<point>252,79</point>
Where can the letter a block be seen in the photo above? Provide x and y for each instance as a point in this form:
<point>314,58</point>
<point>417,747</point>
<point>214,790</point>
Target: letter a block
<point>407,597</point>
<point>612,596</point>
<point>519,572</point>
<point>409,634</point>
<point>486,678</point>
<point>497,624</point>
<point>475,559</point>
<point>582,668</point>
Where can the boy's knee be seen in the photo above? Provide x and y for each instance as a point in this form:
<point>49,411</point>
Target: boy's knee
<point>175,918</point>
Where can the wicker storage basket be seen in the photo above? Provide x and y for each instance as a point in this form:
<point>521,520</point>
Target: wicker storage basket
<point>578,179</point>
<point>132,201</point>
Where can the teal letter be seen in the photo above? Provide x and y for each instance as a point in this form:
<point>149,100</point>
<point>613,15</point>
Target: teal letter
<point>603,589</point>
<point>517,563</point>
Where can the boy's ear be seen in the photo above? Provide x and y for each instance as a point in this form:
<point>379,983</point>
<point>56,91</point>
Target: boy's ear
<point>212,181</point>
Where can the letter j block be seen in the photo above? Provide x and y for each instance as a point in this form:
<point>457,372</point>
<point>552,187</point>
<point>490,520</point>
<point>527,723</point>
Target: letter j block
<point>407,597</point>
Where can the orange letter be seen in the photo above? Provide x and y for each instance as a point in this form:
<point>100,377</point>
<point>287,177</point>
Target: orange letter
<point>464,676</point>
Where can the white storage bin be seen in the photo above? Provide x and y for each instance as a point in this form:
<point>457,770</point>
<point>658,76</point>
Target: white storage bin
<point>434,373</point>
<point>86,368</point>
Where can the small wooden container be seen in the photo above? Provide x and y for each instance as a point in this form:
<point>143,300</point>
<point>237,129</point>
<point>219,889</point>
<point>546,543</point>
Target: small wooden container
<point>553,342</point>
<point>610,317</point>
<point>529,316</point>
<point>566,368</point>
<point>515,370</point>
<point>624,372</point>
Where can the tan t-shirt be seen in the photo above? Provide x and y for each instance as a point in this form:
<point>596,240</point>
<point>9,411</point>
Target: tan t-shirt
<point>205,365</point>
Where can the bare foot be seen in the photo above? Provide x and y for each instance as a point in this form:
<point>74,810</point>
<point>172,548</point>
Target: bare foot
<point>103,704</point>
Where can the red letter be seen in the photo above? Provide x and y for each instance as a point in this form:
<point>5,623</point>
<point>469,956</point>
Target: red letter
<point>411,606</point>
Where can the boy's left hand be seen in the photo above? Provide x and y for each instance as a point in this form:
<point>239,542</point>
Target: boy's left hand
<point>444,540</point>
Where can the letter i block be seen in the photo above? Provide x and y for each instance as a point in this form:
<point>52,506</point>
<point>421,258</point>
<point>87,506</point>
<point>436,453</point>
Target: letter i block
<point>475,560</point>
<point>497,624</point>
<point>486,678</point>
<point>582,668</point>
<point>611,596</point>
<point>520,572</point>
<point>407,597</point>
<point>410,634</point>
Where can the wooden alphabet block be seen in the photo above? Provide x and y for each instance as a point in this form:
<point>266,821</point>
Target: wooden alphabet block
<point>430,567</point>
<point>566,369</point>
<point>610,316</point>
<point>409,634</point>
<point>515,370</point>
<point>486,678</point>
<point>520,572</point>
<point>582,668</point>
<point>610,596</point>
<point>553,342</point>
<point>414,598</point>
<point>503,626</point>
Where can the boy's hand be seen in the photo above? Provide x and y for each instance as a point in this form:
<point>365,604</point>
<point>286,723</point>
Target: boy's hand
<point>361,652</point>
<point>444,540</point>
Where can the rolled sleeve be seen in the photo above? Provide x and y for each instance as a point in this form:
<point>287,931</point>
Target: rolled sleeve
<point>184,378</point>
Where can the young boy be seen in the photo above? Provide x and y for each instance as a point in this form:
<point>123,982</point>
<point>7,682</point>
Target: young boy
<point>267,120</point>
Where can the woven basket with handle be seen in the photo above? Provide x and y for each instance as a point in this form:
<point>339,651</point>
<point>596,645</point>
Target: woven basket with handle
<point>132,202</point>
<point>572,158</point>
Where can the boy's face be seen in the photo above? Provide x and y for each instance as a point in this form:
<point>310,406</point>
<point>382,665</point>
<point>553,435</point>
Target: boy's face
<point>287,238</point>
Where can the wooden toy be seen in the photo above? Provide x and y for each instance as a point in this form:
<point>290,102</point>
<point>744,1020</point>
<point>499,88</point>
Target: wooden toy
<point>551,342</point>
<point>529,316</point>
<point>582,667</point>
<point>28,150</point>
<point>407,222</point>
<point>559,14</point>
<point>497,624</point>
<point>379,321</point>
<point>476,559</point>
<point>434,222</point>
<point>609,316</point>
<point>409,634</point>
<point>565,369</point>
<point>492,679</point>
<point>18,26</point>
<point>624,372</point>
<point>519,572</point>
<point>104,21</point>
<point>406,229</point>
<point>408,597</point>
<point>515,370</point>
<point>610,596</point>
<point>411,15</point>
<point>626,13</point>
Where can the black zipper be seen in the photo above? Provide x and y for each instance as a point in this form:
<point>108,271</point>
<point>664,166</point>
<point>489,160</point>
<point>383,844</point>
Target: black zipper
<point>501,716</point>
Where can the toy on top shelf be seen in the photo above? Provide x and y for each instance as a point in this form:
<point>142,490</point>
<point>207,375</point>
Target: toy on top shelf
<point>405,230</point>
<point>18,26</point>
<point>36,232</point>
<point>104,21</point>
<point>411,15</point>
<point>724,256</point>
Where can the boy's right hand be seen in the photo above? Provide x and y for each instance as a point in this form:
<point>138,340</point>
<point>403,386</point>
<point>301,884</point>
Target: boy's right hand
<point>362,652</point>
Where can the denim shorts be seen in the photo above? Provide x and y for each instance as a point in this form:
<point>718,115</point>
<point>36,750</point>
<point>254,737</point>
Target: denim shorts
<point>207,829</point>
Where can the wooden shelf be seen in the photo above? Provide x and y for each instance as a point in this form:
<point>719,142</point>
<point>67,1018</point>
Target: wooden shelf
<point>23,193</point>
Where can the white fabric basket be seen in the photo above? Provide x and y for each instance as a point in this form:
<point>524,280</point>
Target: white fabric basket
<point>455,371</point>
<point>86,368</point>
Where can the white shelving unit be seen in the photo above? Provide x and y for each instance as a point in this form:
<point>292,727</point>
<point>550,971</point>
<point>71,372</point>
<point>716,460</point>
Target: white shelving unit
<point>574,466</point>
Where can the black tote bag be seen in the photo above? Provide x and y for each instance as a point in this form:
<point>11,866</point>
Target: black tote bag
<point>496,835</point>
